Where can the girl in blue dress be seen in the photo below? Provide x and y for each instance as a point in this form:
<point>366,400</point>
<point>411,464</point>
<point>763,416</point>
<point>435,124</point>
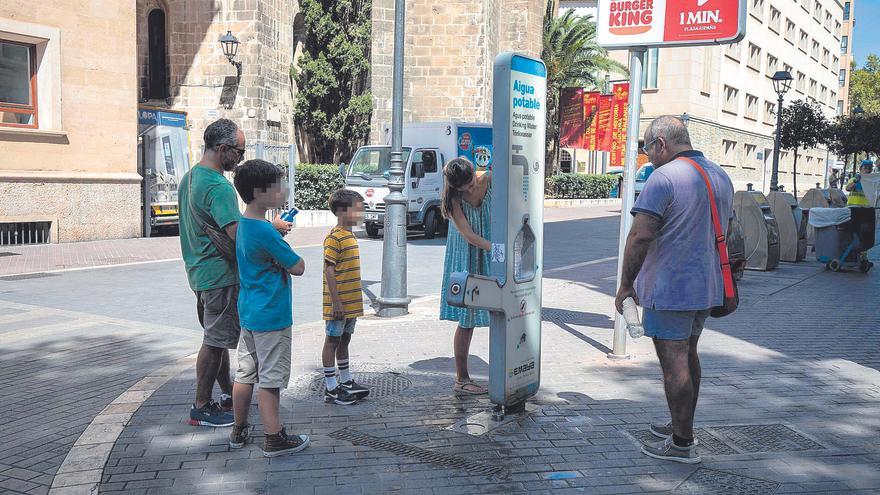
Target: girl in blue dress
<point>466,202</point>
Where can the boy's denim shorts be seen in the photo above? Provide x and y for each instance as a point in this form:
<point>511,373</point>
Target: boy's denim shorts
<point>335,328</point>
<point>673,325</point>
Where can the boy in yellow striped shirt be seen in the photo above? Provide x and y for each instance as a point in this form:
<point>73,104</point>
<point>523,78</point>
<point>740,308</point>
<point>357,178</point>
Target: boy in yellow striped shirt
<point>343,298</point>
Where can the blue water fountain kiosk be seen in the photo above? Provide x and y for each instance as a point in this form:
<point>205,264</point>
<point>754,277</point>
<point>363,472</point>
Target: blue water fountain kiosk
<point>512,291</point>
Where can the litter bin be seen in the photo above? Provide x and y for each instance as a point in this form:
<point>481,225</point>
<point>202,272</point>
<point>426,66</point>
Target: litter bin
<point>843,236</point>
<point>759,230</point>
<point>792,226</point>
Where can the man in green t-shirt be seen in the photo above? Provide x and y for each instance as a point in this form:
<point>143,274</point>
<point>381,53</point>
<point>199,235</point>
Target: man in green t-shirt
<point>207,198</point>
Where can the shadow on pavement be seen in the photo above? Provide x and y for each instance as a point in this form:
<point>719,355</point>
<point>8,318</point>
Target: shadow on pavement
<point>58,385</point>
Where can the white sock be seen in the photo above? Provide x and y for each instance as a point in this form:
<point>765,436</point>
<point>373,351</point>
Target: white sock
<point>330,378</point>
<point>344,371</point>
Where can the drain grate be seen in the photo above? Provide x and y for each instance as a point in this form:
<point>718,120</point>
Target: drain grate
<point>710,482</point>
<point>380,384</point>
<point>709,443</point>
<point>436,458</point>
<point>27,276</point>
<point>742,439</point>
<point>750,439</point>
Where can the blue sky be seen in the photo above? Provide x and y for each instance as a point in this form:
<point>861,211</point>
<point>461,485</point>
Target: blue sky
<point>866,39</point>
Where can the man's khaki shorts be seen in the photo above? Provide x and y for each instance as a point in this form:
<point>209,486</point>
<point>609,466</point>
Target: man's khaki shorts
<point>264,358</point>
<point>218,314</point>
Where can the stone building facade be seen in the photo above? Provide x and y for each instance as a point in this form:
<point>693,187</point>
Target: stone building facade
<point>202,82</point>
<point>450,50</point>
<point>74,166</point>
<point>70,170</point>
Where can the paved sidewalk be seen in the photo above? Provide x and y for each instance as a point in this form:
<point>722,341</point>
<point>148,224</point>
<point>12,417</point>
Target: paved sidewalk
<point>790,398</point>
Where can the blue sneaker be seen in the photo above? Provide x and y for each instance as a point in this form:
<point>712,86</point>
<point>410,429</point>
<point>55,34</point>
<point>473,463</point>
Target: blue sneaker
<point>210,415</point>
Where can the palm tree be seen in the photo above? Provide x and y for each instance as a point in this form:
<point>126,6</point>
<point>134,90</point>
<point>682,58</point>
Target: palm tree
<point>573,59</point>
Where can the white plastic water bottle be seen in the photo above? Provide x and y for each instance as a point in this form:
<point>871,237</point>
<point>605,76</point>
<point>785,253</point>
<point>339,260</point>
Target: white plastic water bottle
<point>631,316</point>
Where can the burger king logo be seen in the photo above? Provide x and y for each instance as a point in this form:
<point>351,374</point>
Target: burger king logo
<point>629,17</point>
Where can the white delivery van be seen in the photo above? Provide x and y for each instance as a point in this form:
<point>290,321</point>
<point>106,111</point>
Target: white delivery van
<point>427,147</point>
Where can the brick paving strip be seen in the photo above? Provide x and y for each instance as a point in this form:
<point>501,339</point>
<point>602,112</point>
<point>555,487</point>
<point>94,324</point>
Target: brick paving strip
<point>80,473</point>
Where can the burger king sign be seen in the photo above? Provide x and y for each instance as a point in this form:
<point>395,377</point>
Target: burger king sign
<point>629,23</point>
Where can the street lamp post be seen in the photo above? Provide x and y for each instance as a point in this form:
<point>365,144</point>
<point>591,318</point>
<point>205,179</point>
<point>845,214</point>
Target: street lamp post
<point>781,83</point>
<point>230,43</point>
<point>394,300</point>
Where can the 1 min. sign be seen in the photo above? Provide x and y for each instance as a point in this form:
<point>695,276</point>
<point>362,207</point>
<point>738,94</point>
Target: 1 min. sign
<point>629,23</point>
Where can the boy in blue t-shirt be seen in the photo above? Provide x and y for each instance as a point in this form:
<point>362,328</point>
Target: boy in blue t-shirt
<point>265,263</point>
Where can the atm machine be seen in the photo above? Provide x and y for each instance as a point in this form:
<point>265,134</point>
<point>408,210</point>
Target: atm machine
<point>163,159</point>
<point>792,224</point>
<point>512,290</point>
<point>759,230</point>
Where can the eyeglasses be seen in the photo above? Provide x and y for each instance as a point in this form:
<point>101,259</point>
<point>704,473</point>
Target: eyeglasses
<point>648,144</point>
<point>236,148</point>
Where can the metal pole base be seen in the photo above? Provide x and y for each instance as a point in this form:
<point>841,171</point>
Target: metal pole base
<point>391,307</point>
<point>499,412</point>
<point>618,357</point>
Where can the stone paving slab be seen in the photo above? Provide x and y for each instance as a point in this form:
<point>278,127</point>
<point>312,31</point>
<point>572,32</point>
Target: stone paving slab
<point>786,366</point>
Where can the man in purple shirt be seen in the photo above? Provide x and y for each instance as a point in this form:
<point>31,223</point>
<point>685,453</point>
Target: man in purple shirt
<point>672,269</point>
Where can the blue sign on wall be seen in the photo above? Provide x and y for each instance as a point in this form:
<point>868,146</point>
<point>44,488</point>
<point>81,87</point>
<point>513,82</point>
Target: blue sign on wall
<point>149,116</point>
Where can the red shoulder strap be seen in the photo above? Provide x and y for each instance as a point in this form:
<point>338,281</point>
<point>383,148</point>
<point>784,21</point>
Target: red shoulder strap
<point>720,237</point>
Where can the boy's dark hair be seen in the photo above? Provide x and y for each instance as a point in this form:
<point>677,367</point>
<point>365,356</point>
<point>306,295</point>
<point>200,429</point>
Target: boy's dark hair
<point>343,199</point>
<point>222,131</point>
<point>255,174</point>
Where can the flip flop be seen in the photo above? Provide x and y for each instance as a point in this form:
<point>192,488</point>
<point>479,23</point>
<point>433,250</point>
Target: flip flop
<point>470,387</point>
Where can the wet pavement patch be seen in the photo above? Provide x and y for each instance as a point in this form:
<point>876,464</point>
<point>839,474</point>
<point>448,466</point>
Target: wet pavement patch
<point>436,458</point>
<point>709,481</point>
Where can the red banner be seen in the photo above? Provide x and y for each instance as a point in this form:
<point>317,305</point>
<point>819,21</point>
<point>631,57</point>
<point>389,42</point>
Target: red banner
<point>603,124</point>
<point>619,112</point>
<point>571,118</point>
<point>591,120</point>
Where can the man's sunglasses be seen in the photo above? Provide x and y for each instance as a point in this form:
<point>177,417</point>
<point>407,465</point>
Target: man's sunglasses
<point>648,145</point>
<point>236,148</point>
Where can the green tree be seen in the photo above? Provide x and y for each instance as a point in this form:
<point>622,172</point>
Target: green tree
<point>864,86</point>
<point>803,126</point>
<point>573,59</point>
<point>333,104</point>
<point>855,135</point>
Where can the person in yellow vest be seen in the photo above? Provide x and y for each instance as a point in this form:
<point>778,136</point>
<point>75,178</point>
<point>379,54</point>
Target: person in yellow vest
<point>857,196</point>
<point>863,216</point>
